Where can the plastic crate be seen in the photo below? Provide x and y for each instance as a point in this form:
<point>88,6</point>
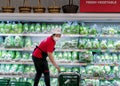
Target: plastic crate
<point>19,84</point>
<point>4,82</point>
<point>69,79</point>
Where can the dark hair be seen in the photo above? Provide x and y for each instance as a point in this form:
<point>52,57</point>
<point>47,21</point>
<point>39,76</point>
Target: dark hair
<point>53,34</point>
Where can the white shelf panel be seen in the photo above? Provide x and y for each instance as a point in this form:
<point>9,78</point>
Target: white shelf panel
<point>110,17</point>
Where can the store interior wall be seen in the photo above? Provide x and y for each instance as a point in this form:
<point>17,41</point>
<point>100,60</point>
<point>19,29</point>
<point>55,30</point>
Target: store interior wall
<point>45,3</point>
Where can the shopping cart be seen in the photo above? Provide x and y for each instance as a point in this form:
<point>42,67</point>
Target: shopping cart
<point>4,82</point>
<point>15,83</point>
<point>68,79</point>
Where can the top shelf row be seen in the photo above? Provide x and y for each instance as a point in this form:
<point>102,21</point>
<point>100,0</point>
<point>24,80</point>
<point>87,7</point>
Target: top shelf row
<point>55,17</point>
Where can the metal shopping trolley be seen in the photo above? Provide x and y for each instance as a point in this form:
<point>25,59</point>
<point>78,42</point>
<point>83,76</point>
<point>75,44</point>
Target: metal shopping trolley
<point>69,79</point>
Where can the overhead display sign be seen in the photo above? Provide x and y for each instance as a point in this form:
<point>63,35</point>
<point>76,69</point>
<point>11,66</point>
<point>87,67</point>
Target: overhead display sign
<point>99,5</point>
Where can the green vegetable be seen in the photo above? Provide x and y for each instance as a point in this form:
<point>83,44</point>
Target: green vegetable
<point>103,44</point>
<point>20,28</point>
<point>32,28</point>
<point>2,26</point>
<point>18,55</point>
<point>9,42</point>
<point>28,42</point>
<point>93,31</point>
<point>44,28</point>
<point>26,27</point>
<point>14,28</point>
<point>38,28</point>
<point>8,28</point>
<point>83,30</point>
<point>18,42</point>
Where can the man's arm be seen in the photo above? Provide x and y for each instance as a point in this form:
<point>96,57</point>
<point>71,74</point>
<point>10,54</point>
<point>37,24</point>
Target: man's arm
<point>51,57</point>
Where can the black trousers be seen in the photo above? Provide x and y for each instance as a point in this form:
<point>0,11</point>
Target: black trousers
<point>41,66</point>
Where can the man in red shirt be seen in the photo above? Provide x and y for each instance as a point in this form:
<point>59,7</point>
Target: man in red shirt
<point>39,55</point>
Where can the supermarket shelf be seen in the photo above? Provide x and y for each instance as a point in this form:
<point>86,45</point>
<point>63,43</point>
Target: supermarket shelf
<point>111,17</point>
<point>60,63</point>
<point>64,35</point>
<point>31,75</point>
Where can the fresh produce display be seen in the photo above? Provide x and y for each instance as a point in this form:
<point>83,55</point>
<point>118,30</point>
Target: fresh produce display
<point>106,58</point>
<point>18,41</point>
<point>105,72</point>
<point>9,42</point>
<point>109,30</point>
<point>70,44</point>
<point>86,57</point>
<point>66,56</point>
<point>28,42</point>
<point>91,82</point>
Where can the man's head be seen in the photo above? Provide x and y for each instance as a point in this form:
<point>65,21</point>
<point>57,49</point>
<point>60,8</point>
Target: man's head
<point>56,33</point>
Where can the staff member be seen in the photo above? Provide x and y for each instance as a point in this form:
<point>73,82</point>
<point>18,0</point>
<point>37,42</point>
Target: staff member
<point>39,55</point>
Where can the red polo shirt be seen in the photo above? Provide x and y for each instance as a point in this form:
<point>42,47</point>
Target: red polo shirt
<point>46,45</point>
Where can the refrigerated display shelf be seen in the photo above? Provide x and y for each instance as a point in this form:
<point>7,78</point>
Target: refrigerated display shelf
<point>60,63</point>
<point>31,75</point>
<point>62,50</point>
<point>63,35</point>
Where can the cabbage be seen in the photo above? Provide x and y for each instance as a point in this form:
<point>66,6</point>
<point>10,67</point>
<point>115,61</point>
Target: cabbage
<point>66,28</point>
<point>28,42</point>
<point>74,28</point>
<point>103,44</point>
<point>117,45</point>
<point>60,56</point>
<point>83,30</point>
<point>112,31</point>
<point>9,41</point>
<point>18,42</point>
<point>18,55</point>
<point>32,28</point>
<point>96,44</point>
<point>86,57</point>
<point>75,56</point>
<point>2,26</point>
<point>25,55</point>
<point>14,28</point>
<point>115,58</point>
<point>93,31</point>
<point>44,28</point>
<point>37,28</point>
<point>88,44</point>
<point>107,69</point>
<point>8,28</point>
<point>82,43</point>
<point>25,27</point>
<point>20,28</point>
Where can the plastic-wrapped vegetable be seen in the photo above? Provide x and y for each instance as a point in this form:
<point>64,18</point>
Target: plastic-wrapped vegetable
<point>103,44</point>
<point>88,44</point>
<point>86,57</point>
<point>18,42</point>
<point>38,28</point>
<point>83,30</point>
<point>82,43</point>
<point>112,31</point>
<point>32,28</point>
<point>93,31</point>
<point>111,44</point>
<point>66,28</point>
<point>117,45</point>
<point>9,42</point>
<point>20,27</point>
<point>14,28</point>
<point>25,55</point>
<point>28,42</point>
<point>18,55</point>
<point>96,44</point>
<point>25,28</point>
<point>2,26</point>
<point>44,28</point>
<point>75,28</point>
<point>8,28</point>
